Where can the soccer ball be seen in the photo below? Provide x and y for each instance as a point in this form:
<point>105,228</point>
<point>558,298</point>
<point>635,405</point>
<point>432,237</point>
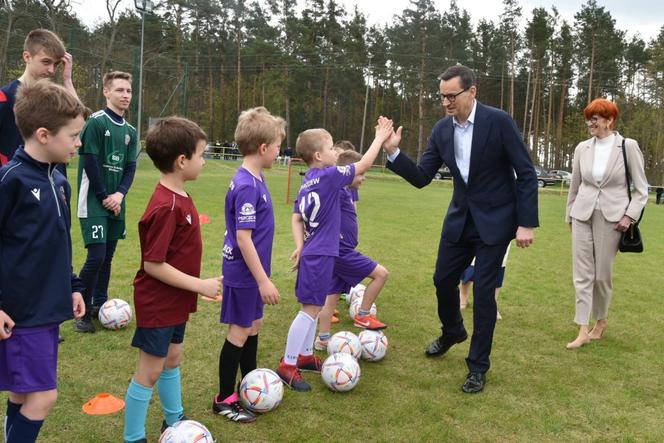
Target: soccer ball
<point>115,314</point>
<point>356,291</point>
<point>340,372</point>
<point>261,390</point>
<point>186,431</point>
<point>345,342</point>
<point>355,306</point>
<point>374,345</point>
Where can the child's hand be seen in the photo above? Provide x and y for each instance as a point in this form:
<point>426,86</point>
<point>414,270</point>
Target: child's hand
<point>384,129</point>
<point>269,293</point>
<point>210,287</point>
<point>295,258</point>
<point>6,325</point>
<point>79,304</point>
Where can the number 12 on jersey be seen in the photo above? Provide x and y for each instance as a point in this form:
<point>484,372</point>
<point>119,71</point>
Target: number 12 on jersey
<point>310,203</point>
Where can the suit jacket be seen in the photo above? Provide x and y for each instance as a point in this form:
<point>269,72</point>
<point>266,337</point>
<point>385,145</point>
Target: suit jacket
<point>497,201</point>
<point>614,203</point>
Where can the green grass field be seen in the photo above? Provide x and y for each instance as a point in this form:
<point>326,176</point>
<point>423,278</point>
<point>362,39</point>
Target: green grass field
<point>537,391</point>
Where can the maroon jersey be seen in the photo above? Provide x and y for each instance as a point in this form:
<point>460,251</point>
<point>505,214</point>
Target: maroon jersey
<point>169,232</point>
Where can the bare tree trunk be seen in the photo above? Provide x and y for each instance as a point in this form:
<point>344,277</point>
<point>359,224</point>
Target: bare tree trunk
<point>239,78</point>
<point>560,122</point>
<point>211,119</point>
<point>512,77</point>
<point>222,101</point>
<point>525,107</point>
<point>502,88</point>
<point>531,136</point>
<point>547,131</point>
<point>326,82</point>
<point>537,111</point>
<point>5,46</point>
<point>592,68</point>
<point>420,102</point>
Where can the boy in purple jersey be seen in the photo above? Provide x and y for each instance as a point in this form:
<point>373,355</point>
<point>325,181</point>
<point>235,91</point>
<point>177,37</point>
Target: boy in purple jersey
<point>315,224</point>
<point>247,255</point>
<point>351,267</point>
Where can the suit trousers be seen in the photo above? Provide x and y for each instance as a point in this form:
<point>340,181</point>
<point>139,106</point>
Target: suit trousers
<point>453,259</point>
<point>594,247</point>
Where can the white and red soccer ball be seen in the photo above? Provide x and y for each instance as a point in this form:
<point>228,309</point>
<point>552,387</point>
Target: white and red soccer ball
<point>186,431</point>
<point>355,291</point>
<point>261,390</point>
<point>345,342</point>
<point>340,372</point>
<point>115,314</point>
<point>355,306</point>
<point>374,345</point>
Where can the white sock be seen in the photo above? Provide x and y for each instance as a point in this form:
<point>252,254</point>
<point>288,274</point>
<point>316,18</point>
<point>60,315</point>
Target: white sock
<point>297,334</point>
<point>308,345</point>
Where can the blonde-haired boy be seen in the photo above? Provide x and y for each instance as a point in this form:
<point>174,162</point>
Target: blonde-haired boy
<point>316,227</point>
<point>247,256</point>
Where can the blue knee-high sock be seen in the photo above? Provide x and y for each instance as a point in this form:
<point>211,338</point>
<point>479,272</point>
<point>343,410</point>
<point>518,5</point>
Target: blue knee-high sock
<point>137,402</point>
<point>24,430</point>
<point>170,394</point>
<point>12,410</point>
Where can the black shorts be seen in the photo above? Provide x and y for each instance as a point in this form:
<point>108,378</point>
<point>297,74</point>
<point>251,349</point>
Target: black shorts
<point>155,341</point>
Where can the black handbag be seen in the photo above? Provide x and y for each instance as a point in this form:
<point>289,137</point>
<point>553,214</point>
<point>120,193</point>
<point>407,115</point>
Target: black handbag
<point>630,240</point>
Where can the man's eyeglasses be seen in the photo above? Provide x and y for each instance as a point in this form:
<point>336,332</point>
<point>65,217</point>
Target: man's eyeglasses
<point>593,120</point>
<point>451,97</point>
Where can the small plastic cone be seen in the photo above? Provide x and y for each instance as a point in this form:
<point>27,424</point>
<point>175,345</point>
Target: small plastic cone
<point>103,403</point>
<point>204,219</point>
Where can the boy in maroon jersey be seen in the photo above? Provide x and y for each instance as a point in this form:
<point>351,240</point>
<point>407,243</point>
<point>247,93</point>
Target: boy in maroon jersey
<point>165,287</point>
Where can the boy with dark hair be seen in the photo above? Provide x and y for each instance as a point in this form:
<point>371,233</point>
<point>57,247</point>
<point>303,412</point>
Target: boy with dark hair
<point>316,227</point>
<point>166,285</point>
<point>105,174</point>
<point>43,51</point>
<point>351,267</point>
<point>247,255</point>
<point>37,288</point>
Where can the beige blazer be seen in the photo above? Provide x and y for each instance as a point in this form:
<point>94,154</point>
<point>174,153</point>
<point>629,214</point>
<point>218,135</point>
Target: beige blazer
<point>612,191</point>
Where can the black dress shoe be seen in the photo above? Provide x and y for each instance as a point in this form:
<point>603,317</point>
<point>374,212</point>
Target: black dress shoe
<point>442,344</point>
<point>474,383</point>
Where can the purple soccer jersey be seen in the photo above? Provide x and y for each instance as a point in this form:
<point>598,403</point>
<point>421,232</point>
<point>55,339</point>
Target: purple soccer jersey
<point>318,203</point>
<point>248,206</point>
<point>348,239</point>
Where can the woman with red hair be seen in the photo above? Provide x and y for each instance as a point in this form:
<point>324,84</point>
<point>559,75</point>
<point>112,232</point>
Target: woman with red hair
<point>598,211</point>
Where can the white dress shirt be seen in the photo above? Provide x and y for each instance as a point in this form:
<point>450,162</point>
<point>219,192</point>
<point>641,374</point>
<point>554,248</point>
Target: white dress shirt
<point>463,141</point>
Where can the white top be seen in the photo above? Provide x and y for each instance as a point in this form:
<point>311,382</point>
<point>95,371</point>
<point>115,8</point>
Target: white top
<point>603,148</point>
<point>463,141</point>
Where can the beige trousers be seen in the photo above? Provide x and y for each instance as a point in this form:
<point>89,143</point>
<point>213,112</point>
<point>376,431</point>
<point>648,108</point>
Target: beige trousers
<point>594,248</point>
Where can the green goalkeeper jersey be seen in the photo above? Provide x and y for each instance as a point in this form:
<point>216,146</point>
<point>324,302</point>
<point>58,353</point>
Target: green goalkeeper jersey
<point>114,144</point>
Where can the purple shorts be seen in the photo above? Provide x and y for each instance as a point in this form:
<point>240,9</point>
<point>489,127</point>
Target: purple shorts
<point>241,306</point>
<point>29,360</point>
<point>352,267</point>
<point>314,276</point>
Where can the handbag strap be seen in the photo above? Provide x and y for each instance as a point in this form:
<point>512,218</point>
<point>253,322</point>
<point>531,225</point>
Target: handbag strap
<point>627,179</point>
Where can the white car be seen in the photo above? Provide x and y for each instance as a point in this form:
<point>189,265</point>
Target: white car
<point>567,176</point>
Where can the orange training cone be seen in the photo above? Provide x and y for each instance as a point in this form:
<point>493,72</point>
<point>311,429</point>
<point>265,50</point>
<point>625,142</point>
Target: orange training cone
<point>103,403</point>
<point>204,219</point>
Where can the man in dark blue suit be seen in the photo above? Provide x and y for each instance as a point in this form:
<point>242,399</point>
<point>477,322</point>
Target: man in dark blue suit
<point>494,200</point>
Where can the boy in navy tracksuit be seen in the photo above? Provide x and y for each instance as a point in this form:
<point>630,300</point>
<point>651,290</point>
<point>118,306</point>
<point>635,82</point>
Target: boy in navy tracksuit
<point>37,288</point>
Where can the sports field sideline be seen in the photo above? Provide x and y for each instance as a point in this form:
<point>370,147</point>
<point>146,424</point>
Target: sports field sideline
<point>611,390</point>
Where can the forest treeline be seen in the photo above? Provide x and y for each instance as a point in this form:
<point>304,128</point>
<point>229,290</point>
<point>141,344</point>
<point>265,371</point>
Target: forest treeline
<point>324,65</point>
